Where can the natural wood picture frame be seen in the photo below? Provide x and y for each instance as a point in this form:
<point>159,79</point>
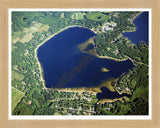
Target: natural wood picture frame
<point>4,40</point>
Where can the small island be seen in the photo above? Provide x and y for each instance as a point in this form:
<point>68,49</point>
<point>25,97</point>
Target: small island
<point>79,63</point>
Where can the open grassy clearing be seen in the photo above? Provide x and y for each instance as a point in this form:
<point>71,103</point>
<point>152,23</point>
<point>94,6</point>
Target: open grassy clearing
<point>97,16</point>
<point>27,38</point>
<point>16,97</point>
<point>34,28</point>
<point>79,16</point>
<point>15,67</point>
<point>17,76</point>
<point>17,36</point>
<point>43,28</point>
<point>27,34</point>
<point>62,15</point>
<point>15,40</point>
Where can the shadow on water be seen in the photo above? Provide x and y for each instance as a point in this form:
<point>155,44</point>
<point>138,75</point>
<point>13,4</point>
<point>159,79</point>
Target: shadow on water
<point>106,93</point>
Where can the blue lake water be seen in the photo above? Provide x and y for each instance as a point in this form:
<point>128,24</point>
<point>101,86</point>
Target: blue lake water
<point>64,65</point>
<point>142,29</point>
<point>106,93</point>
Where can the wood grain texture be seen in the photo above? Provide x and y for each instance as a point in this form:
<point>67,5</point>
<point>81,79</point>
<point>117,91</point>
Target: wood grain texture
<point>6,4</point>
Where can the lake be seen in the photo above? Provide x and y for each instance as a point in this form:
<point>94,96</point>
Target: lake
<point>141,23</point>
<point>65,66</point>
<point>106,93</point>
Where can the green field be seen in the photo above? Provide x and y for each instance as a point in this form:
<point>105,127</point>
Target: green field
<point>17,36</point>
<point>43,28</point>
<point>17,76</point>
<point>79,16</point>
<point>15,67</point>
<point>27,38</point>
<point>27,34</point>
<point>97,16</point>
<point>16,97</point>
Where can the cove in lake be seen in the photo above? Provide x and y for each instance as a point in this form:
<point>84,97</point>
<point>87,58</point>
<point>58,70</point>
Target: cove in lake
<point>60,55</point>
<point>141,23</point>
<point>106,93</point>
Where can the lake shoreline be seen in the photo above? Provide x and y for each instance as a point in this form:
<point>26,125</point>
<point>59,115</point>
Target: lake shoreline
<point>36,56</point>
<point>41,69</point>
<point>94,52</point>
<point>133,30</point>
<point>93,89</point>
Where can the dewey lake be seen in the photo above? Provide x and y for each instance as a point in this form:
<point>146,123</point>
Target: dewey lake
<point>65,66</point>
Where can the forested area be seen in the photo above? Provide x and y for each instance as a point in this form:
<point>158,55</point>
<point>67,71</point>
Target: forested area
<point>39,101</point>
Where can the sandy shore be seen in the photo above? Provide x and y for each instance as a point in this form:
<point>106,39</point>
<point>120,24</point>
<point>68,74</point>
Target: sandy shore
<point>111,58</point>
<point>107,83</point>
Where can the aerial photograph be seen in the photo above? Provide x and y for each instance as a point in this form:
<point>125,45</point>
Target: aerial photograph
<point>79,62</point>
